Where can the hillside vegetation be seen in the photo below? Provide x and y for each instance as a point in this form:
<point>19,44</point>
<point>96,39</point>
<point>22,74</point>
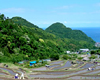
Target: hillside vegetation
<point>64,32</point>
<point>22,40</point>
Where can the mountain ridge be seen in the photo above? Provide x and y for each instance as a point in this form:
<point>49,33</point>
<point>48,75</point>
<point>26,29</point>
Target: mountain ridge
<point>67,32</point>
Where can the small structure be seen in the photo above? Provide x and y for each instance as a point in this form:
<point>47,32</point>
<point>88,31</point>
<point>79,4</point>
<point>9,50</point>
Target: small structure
<point>48,60</point>
<point>47,66</point>
<point>88,54</point>
<point>22,62</point>
<point>68,52</point>
<point>85,59</point>
<point>32,62</point>
<point>84,50</point>
<point>97,44</point>
<point>77,52</point>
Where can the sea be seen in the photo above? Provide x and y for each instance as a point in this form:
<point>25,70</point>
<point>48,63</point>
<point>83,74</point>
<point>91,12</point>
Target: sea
<point>93,32</point>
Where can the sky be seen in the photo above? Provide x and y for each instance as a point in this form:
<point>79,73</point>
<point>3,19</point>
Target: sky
<point>43,13</point>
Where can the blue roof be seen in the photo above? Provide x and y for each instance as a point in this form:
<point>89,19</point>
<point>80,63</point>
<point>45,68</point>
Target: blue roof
<point>32,62</point>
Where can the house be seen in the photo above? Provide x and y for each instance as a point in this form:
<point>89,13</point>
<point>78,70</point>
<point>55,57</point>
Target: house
<point>84,50</point>
<point>32,62</point>
<point>48,60</point>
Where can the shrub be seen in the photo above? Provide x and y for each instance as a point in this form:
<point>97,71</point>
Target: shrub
<point>54,57</point>
<point>65,57</point>
<point>80,58</point>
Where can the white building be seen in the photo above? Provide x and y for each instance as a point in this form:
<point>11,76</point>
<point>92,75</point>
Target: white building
<point>68,52</point>
<point>84,50</point>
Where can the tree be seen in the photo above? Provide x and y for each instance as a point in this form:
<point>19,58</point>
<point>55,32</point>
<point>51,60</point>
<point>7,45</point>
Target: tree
<point>80,58</point>
<point>93,57</point>
<point>65,57</point>
<point>22,40</point>
<point>93,52</point>
<point>54,57</point>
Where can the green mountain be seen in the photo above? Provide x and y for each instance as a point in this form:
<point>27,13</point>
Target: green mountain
<point>21,40</point>
<point>62,31</point>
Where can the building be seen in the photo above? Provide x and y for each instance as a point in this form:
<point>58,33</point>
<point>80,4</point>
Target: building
<point>48,60</point>
<point>68,52</point>
<point>32,62</point>
<point>84,50</point>
<point>97,44</point>
<point>22,62</point>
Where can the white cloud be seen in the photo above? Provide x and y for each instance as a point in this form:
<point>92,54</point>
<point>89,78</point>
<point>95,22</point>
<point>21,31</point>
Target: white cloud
<point>65,21</point>
<point>12,10</point>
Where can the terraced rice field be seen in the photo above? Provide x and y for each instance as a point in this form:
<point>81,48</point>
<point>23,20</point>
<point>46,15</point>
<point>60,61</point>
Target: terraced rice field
<point>56,72</point>
<point>67,64</point>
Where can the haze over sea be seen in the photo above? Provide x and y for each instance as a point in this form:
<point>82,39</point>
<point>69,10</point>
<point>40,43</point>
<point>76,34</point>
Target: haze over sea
<point>93,32</point>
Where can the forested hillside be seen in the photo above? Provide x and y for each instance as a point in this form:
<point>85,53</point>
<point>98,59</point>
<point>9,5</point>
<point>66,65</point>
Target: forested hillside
<point>20,40</point>
<point>21,21</point>
<point>64,32</point>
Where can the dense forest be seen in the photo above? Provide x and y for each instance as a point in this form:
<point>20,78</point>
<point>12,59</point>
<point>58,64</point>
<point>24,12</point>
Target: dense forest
<point>64,32</point>
<point>22,40</point>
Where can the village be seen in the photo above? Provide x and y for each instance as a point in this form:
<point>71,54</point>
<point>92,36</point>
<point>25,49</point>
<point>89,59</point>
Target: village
<point>83,67</point>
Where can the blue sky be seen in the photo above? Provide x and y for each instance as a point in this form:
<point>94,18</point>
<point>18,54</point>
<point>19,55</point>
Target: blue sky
<point>72,13</point>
